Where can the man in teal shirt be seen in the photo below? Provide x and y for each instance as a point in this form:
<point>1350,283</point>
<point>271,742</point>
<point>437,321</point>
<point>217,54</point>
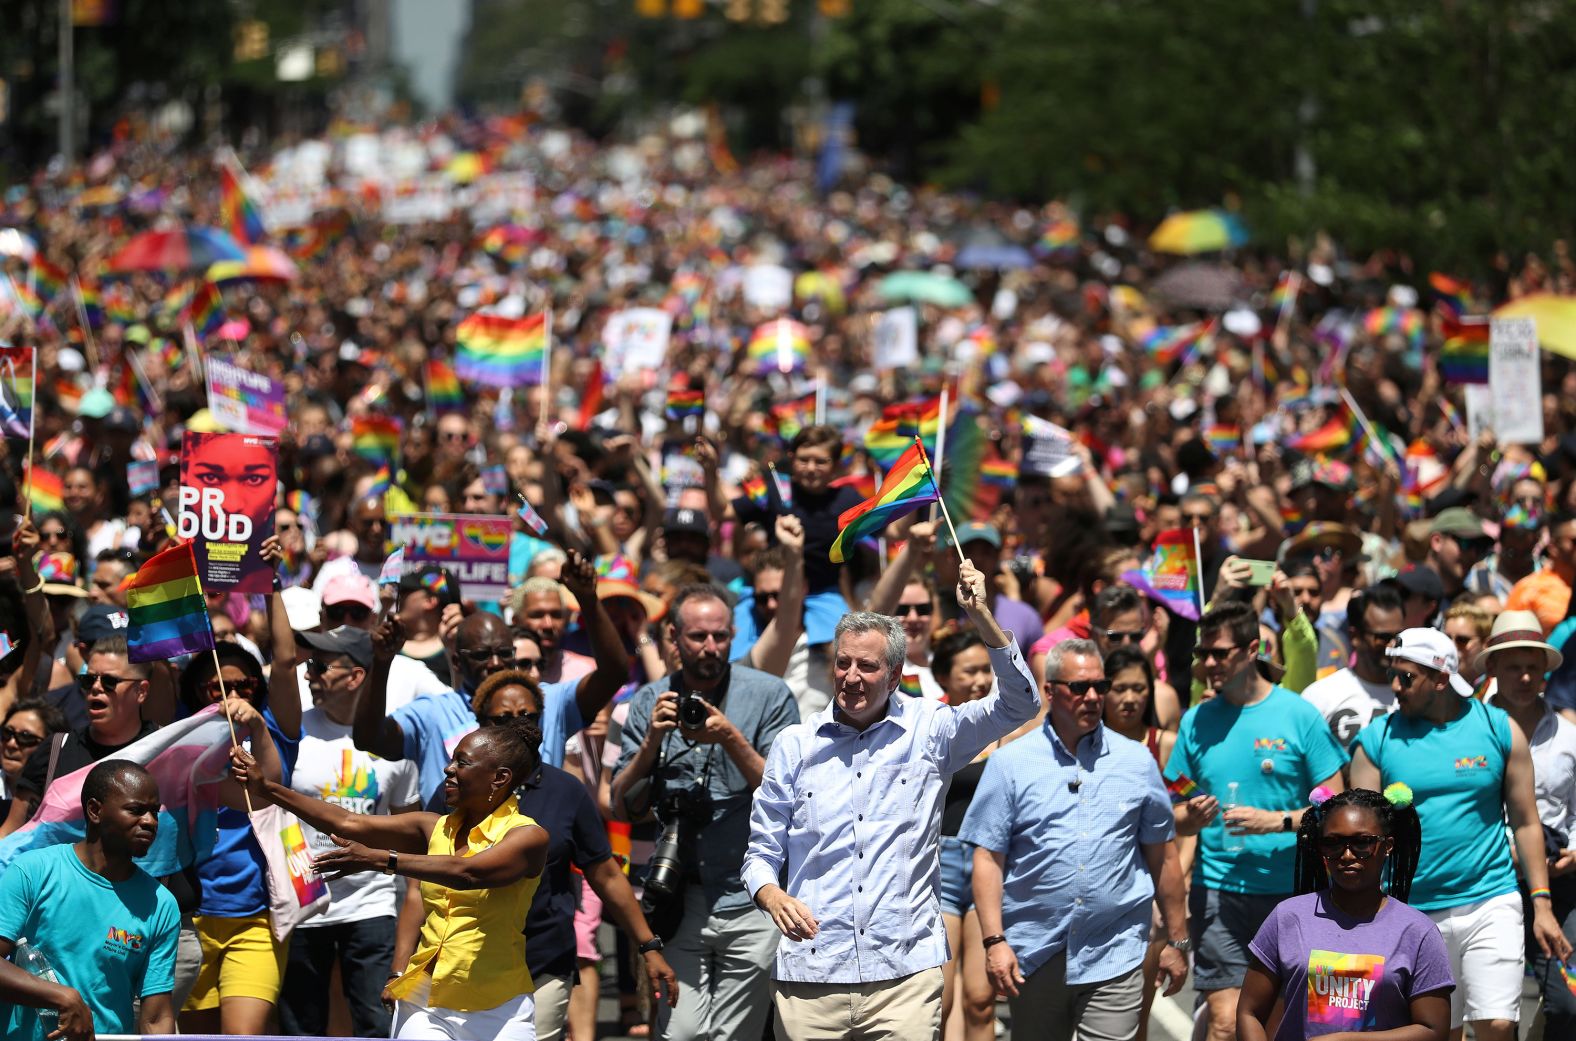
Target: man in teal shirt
<point>1470,771</point>
<point>1269,747</point>
<point>106,928</point>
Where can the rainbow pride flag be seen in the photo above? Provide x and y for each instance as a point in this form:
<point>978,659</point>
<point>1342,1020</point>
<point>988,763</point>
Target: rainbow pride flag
<point>443,387</point>
<point>910,685</point>
<point>1406,322</point>
<point>238,213</point>
<point>168,616</point>
<point>205,310</point>
<point>16,391</point>
<point>1284,294</point>
<point>382,480</point>
<point>46,490</point>
<point>782,345</point>
<point>495,351</point>
<point>187,759</point>
<point>682,404</point>
<point>1059,235</point>
<point>1182,787</point>
<point>787,418</point>
<point>1452,295</point>
<point>999,473</point>
<point>1169,343</point>
<point>48,280</point>
<point>375,438</point>
<point>87,296</point>
<point>1464,356</point>
<point>891,436</point>
<point>909,485</point>
<point>753,488</point>
<point>1223,438</point>
<point>1335,436</point>
<point>1173,571</point>
<point>120,304</point>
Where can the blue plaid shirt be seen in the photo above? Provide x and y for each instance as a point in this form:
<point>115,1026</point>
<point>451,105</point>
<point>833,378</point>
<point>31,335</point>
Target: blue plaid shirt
<point>854,819</point>
<point>1076,879</point>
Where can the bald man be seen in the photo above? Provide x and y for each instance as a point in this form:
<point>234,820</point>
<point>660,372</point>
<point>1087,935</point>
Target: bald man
<point>427,729</point>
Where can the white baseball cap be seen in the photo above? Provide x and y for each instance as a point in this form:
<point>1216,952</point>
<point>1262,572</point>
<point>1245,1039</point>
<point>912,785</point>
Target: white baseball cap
<point>1431,649</point>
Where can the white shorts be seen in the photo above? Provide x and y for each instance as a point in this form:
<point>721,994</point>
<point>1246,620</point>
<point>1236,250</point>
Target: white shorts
<point>514,1020</point>
<point>1487,957</point>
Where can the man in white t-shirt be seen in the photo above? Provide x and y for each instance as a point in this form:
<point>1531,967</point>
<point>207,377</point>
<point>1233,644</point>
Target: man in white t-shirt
<point>1353,697</point>
<point>357,930</point>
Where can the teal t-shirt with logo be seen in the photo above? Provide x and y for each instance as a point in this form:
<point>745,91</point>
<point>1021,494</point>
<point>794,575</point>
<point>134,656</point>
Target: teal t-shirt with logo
<point>1457,776</point>
<point>110,941</point>
<point>1276,750</point>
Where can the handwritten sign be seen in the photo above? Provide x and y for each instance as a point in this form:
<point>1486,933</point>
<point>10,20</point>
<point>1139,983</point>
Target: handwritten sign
<point>1515,381</point>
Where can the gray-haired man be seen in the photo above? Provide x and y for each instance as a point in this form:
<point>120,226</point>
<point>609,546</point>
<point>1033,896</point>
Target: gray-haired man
<point>849,809</point>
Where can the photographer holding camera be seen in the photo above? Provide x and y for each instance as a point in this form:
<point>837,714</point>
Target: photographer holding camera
<point>694,747</point>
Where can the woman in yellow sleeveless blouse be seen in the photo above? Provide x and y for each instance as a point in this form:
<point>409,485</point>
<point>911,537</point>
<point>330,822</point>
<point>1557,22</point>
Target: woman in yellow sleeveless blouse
<point>478,867</point>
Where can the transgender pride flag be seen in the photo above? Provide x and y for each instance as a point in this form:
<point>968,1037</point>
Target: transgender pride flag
<point>188,759</point>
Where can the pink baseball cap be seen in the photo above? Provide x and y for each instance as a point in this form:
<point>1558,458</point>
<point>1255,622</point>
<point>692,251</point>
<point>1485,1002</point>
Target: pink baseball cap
<point>354,588</point>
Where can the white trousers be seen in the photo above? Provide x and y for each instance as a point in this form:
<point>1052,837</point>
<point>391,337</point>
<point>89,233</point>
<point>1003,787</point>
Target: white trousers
<point>514,1020</point>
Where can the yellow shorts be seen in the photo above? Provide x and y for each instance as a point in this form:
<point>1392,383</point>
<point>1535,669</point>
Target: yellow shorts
<point>240,959</point>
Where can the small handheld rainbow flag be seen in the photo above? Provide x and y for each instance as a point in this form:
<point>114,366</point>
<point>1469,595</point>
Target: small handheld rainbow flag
<point>1060,235</point>
<point>790,417</point>
<point>495,351</point>
<point>1173,572</point>
<point>205,310</point>
<point>1182,787</point>
<point>1223,438</point>
<point>1464,356</point>
<point>782,345</point>
<point>382,481</point>
<point>443,387</point>
<point>1405,322</point>
<point>909,685</point>
<point>683,404</point>
<point>46,490</point>
<point>1170,342</point>
<point>16,391</point>
<point>164,603</point>
<point>909,484</point>
<point>1336,435</point>
<point>238,214</point>
<point>1452,295</point>
<point>754,489</point>
<point>375,438</point>
<point>48,280</point>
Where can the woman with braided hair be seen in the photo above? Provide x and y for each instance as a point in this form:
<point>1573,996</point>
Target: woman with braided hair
<point>1346,955</point>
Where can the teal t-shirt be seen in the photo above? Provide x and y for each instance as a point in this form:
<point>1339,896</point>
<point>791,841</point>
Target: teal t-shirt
<point>110,941</point>
<point>1276,750</point>
<point>1457,776</point>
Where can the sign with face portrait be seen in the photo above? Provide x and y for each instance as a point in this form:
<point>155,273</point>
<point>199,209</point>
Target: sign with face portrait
<point>226,508</point>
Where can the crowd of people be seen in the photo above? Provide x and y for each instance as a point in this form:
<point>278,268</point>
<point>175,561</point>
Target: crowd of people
<point>990,756</point>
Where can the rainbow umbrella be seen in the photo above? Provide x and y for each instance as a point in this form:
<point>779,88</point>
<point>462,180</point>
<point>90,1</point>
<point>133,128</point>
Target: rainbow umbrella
<point>174,250</point>
<point>1556,318</point>
<point>1198,231</point>
<point>261,264</point>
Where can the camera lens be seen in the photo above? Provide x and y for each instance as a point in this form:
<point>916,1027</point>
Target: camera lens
<point>664,876</point>
<point>692,712</point>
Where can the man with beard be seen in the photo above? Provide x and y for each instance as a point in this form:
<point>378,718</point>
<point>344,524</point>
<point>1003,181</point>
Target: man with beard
<point>701,777</point>
<point>61,898</point>
<point>427,729</point>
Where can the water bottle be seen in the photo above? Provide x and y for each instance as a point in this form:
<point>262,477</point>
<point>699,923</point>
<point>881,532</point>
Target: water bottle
<point>1233,841</point>
<point>30,959</point>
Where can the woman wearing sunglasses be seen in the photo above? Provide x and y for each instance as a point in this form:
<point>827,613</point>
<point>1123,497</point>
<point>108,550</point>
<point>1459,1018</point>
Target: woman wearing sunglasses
<point>1347,955</point>
<point>28,726</point>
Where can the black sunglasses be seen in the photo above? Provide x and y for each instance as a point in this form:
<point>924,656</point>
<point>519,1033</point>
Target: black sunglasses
<point>1331,847</point>
<point>357,612</point>
<point>1405,679</point>
<point>1121,636</point>
<point>904,610</point>
<point>1209,654</point>
<point>1080,688</point>
<point>498,721</point>
<point>23,738</point>
<point>89,680</point>
<point>483,655</point>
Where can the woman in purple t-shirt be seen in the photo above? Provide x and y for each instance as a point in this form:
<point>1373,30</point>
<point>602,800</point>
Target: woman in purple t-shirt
<point>1347,956</point>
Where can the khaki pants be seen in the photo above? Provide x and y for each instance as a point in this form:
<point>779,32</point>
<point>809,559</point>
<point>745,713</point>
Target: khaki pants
<point>904,1009</point>
<point>552,1006</point>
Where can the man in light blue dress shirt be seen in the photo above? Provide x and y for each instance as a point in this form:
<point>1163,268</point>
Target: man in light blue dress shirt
<point>848,814</point>
<point>1073,830</point>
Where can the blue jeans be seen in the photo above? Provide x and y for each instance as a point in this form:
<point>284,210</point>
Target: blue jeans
<point>957,876</point>
<point>364,950</point>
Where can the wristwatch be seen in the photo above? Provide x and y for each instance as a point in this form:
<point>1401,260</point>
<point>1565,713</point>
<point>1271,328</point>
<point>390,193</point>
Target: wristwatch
<point>653,944</point>
<point>1286,823</point>
<point>1183,945</point>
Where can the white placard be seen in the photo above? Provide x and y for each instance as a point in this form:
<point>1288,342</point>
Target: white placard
<point>636,339</point>
<point>1480,408</point>
<point>896,339</point>
<point>768,287</point>
<point>1515,380</point>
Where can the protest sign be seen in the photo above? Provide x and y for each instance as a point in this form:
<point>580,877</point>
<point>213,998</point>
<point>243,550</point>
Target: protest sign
<point>474,548</point>
<point>636,339</point>
<point>1047,450</point>
<point>1480,408</point>
<point>896,340</point>
<point>1515,381</point>
<point>226,507</point>
<point>768,287</point>
<point>246,402</point>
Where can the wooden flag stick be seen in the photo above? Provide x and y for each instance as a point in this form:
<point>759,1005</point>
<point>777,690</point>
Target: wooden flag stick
<point>941,501</point>
<point>32,423</point>
<point>218,669</point>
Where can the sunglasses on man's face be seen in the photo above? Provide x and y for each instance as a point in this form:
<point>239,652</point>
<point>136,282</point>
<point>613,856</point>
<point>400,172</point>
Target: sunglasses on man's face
<point>1081,688</point>
<point>1124,636</point>
<point>1209,654</point>
<point>500,720</point>
<point>1402,678</point>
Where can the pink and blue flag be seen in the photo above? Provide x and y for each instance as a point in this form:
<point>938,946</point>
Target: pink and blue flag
<point>187,759</point>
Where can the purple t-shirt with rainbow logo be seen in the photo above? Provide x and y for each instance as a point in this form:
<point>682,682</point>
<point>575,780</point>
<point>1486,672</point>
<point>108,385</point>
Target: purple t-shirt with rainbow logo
<point>1339,974</point>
